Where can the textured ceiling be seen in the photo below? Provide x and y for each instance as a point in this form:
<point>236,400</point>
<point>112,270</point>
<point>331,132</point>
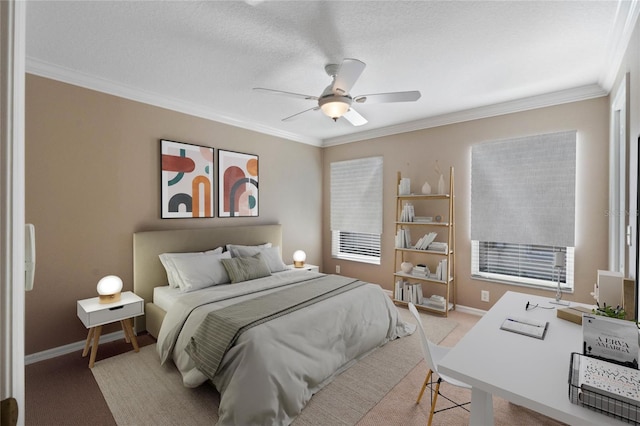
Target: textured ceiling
<point>467,58</point>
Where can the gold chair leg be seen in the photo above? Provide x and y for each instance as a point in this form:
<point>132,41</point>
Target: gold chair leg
<point>424,386</point>
<point>433,403</point>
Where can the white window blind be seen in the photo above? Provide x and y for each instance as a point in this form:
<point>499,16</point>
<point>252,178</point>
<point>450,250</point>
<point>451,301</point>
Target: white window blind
<point>523,209</point>
<point>356,195</point>
<point>356,209</point>
<point>523,190</point>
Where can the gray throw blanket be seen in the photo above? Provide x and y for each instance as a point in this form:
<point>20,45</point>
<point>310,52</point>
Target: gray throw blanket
<point>220,329</point>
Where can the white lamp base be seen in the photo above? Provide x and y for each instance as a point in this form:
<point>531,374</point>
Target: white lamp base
<point>559,302</point>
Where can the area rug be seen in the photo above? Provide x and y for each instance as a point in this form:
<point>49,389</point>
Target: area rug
<point>139,391</point>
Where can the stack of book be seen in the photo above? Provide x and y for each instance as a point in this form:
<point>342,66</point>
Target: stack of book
<point>404,187</point>
<point>408,213</point>
<point>403,238</point>
<point>424,242</point>
<point>408,292</point>
<point>438,246</point>
<point>436,302</point>
<point>441,270</point>
<point>421,270</point>
<point>423,219</point>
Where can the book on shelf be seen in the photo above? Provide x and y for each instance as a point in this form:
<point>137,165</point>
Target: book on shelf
<point>403,238</point>
<point>438,246</point>
<point>408,213</point>
<point>611,339</point>
<point>404,187</point>
<point>436,302</point>
<point>424,242</point>
<point>441,270</point>
<point>423,219</point>
<point>408,292</point>
<point>421,270</point>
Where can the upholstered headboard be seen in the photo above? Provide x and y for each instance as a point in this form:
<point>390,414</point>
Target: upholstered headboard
<point>148,272</point>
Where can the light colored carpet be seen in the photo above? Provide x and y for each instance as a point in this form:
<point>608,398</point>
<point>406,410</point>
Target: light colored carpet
<point>139,391</point>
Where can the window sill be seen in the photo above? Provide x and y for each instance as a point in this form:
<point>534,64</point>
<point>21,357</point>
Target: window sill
<point>553,289</point>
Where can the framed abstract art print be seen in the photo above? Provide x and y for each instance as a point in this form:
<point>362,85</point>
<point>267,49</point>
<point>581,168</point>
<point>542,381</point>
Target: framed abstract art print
<point>187,180</point>
<point>237,184</point>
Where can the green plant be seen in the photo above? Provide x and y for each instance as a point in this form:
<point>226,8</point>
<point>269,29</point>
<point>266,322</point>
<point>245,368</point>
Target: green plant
<point>608,311</point>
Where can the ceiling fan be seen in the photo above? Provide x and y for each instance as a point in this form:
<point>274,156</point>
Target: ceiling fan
<point>335,101</point>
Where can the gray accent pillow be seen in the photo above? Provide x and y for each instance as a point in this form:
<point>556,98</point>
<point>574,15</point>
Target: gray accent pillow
<point>246,268</point>
<point>271,255</point>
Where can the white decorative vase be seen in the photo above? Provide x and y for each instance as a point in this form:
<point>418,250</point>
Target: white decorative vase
<point>406,267</point>
<point>441,185</point>
<point>426,188</point>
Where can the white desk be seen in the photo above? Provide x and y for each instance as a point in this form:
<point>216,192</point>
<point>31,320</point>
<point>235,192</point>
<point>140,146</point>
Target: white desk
<point>529,372</point>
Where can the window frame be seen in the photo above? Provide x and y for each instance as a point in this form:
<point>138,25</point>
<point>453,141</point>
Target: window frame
<point>567,286</point>
<point>339,251</point>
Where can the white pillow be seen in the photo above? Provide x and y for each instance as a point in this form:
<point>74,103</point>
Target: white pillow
<point>271,255</point>
<point>167,261</point>
<point>233,248</point>
<point>198,272</point>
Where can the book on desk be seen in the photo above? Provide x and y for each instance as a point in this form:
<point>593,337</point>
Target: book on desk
<point>525,326</point>
<point>611,339</point>
<point>606,387</point>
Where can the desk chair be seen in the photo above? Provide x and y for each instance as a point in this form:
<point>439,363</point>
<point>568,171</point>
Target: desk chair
<point>432,356</point>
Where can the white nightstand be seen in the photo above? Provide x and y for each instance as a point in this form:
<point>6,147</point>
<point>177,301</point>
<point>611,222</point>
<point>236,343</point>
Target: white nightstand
<point>94,315</point>
<point>306,267</point>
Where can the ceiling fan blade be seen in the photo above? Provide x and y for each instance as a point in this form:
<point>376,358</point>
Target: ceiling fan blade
<point>282,93</point>
<point>378,98</point>
<point>291,117</point>
<point>347,76</point>
<point>354,118</point>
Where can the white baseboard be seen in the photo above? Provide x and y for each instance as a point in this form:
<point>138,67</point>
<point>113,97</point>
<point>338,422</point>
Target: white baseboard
<point>71,347</point>
<point>461,308</point>
<point>470,310</point>
<point>79,346</point>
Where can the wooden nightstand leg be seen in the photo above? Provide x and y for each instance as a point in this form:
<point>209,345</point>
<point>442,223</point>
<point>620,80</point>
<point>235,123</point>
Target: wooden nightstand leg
<point>132,334</point>
<point>127,337</point>
<point>88,343</point>
<point>94,348</point>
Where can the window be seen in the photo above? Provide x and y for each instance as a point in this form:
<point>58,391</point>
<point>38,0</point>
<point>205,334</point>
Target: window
<point>356,246</point>
<point>356,209</point>
<point>523,209</point>
<point>528,264</point>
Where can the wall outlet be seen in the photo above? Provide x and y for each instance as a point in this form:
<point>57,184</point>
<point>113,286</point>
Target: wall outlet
<point>484,295</point>
<point>337,269</point>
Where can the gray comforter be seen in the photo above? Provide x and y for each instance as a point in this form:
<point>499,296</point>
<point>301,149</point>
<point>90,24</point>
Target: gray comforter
<point>273,369</point>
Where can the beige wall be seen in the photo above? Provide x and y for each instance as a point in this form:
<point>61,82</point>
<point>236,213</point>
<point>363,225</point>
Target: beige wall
<point>630,69</point>
<point>92,180</point>
<point>414,154</point>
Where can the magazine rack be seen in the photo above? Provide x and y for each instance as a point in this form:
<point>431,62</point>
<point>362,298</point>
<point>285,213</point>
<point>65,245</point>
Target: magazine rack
<point>601,402</point>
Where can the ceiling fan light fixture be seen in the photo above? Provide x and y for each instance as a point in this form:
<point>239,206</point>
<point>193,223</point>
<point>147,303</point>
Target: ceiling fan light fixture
<point>335,106</point>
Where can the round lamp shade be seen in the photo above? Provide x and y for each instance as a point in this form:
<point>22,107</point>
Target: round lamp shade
<point>109,289</point>
<point>298,258</point>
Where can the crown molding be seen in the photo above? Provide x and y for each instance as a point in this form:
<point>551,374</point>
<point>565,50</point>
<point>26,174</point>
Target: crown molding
<point>76,78</point>
<point>550,99</point>
<point>624,25</point>
<point>65,75</point>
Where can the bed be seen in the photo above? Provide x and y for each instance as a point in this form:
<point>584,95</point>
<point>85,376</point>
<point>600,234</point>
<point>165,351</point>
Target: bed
<point>272,368</point>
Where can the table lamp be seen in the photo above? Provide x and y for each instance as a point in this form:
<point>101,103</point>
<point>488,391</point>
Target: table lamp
<point>558,264</point>
<point>298,258</point>
<point>109,289</point>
